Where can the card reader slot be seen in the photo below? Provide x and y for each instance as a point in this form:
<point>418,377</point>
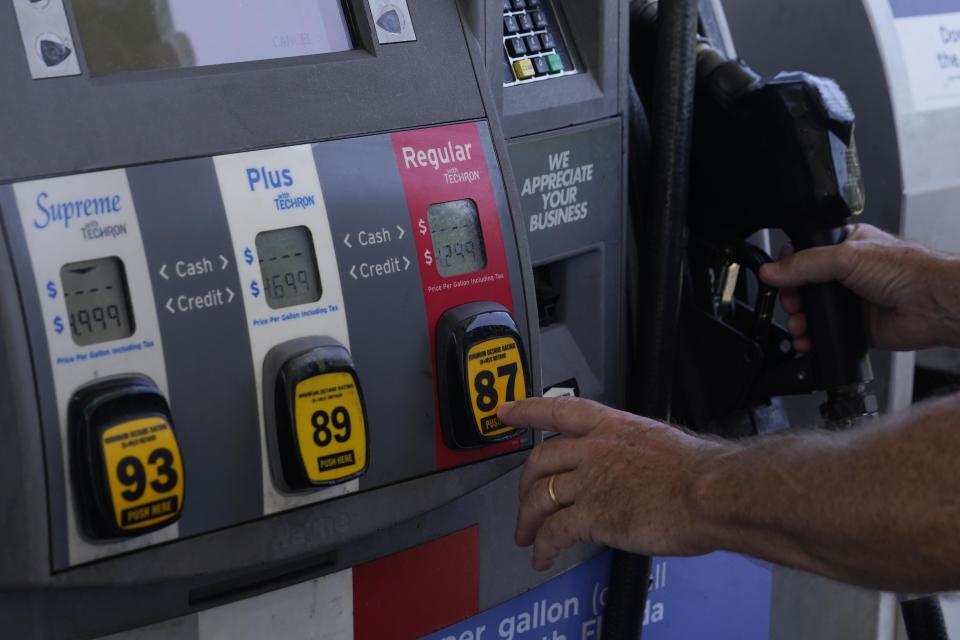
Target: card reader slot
<point>548,295</point>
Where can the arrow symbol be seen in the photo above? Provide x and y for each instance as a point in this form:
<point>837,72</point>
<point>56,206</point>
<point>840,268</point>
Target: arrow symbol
<point>169,305</point>
<point>223,263</point>
<point>407,261</point>
<point>346,241</point>
<point>353,272</point>
<point>163,272</point>
<point>402,232</point>
<point>229,295</point>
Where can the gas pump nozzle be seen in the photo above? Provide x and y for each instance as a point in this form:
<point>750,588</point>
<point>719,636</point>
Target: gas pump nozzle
<point>780,153</point>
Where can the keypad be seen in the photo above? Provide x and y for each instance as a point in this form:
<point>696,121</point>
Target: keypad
<point>534,47</point>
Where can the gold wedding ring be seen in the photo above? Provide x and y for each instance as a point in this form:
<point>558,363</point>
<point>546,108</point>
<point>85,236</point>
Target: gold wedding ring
<point>552,492</point>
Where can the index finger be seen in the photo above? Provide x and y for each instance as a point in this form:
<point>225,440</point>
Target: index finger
<point>566,415</point>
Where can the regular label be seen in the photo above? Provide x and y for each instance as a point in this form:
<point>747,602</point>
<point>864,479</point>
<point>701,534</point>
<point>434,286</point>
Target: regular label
<point>331,427</point>
<point>144,472</point>
<point>495,376</point>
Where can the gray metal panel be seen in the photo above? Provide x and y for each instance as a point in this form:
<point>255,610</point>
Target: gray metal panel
<point>80,123</point>
<point>364,195</point>
<point>207,351</point>
<point>593,150</point>
<point>46,424</point>
<point>584,256</point>
<point>24,556</point>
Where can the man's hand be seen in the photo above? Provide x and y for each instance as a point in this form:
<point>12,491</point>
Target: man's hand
<point>622,481</point>
<point>911,294</point>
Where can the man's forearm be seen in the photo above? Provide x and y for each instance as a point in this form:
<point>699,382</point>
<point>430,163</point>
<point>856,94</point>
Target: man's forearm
<point>879,505</point>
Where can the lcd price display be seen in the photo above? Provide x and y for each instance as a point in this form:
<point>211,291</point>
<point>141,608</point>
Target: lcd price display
<point>134,35</point>
<point>288,265</point>
<point>457,238</point>
<point>98,302</point>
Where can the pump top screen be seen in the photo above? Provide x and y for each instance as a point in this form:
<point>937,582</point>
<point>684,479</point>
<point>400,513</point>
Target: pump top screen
<point>136,35</point>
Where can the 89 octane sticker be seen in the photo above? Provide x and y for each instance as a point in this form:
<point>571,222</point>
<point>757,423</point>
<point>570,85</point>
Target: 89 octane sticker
<point>331,428</point>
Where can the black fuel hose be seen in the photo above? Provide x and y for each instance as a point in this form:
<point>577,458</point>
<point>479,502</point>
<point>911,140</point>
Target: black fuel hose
<point>923,618</point>
<point>661,229</point>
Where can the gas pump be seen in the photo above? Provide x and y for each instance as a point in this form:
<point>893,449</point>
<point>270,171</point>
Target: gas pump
<point>267,270</point>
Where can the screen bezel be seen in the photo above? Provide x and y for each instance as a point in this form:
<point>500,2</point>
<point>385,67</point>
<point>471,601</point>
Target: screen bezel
<point>142,117</point>
<point>350,19</point>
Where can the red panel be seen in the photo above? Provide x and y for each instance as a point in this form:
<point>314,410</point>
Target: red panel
<point>414,592</point>
<point>439,165</point>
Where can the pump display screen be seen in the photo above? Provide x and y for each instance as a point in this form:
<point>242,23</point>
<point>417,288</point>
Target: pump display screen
<point>135,35</point>
<point>457,237</point>
<point>288,265</point>
<point>98,305</point>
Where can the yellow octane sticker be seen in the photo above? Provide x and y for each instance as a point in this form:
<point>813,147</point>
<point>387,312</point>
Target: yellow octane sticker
<point>331,427</point>
<point>144,472</point>
<point>495,376</point>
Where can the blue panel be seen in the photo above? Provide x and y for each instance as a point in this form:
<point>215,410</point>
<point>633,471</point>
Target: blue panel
<point>721,596</point>
<point>910,8</point>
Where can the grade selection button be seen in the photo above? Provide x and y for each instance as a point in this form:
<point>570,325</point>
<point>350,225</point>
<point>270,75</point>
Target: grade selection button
<point>128,470</point>
<point>481,365</point>
<point>321,420</point>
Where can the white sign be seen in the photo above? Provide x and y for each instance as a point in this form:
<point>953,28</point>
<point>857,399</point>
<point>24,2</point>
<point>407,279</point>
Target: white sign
<point>929,33</point>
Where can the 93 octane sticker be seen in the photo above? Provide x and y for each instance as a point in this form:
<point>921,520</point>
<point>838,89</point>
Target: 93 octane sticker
<point>495,375</point>
<point>144,472</point>
<point>331,427</point>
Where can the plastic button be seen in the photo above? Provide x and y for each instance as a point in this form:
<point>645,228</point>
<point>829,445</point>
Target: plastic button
<point>555,63</point>
<point>524,69</point>
<point>516,47</point>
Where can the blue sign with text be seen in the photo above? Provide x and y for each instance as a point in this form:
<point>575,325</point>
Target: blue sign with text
<point>721,596</point>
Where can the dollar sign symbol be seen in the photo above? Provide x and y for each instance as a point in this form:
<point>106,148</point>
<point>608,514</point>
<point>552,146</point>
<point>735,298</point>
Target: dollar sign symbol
<point>423,227</point>
<point>254,289</point>
<point>248,256</point>
<point>428,257</point>
<point>51,290</point>
<point>58,324</point>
